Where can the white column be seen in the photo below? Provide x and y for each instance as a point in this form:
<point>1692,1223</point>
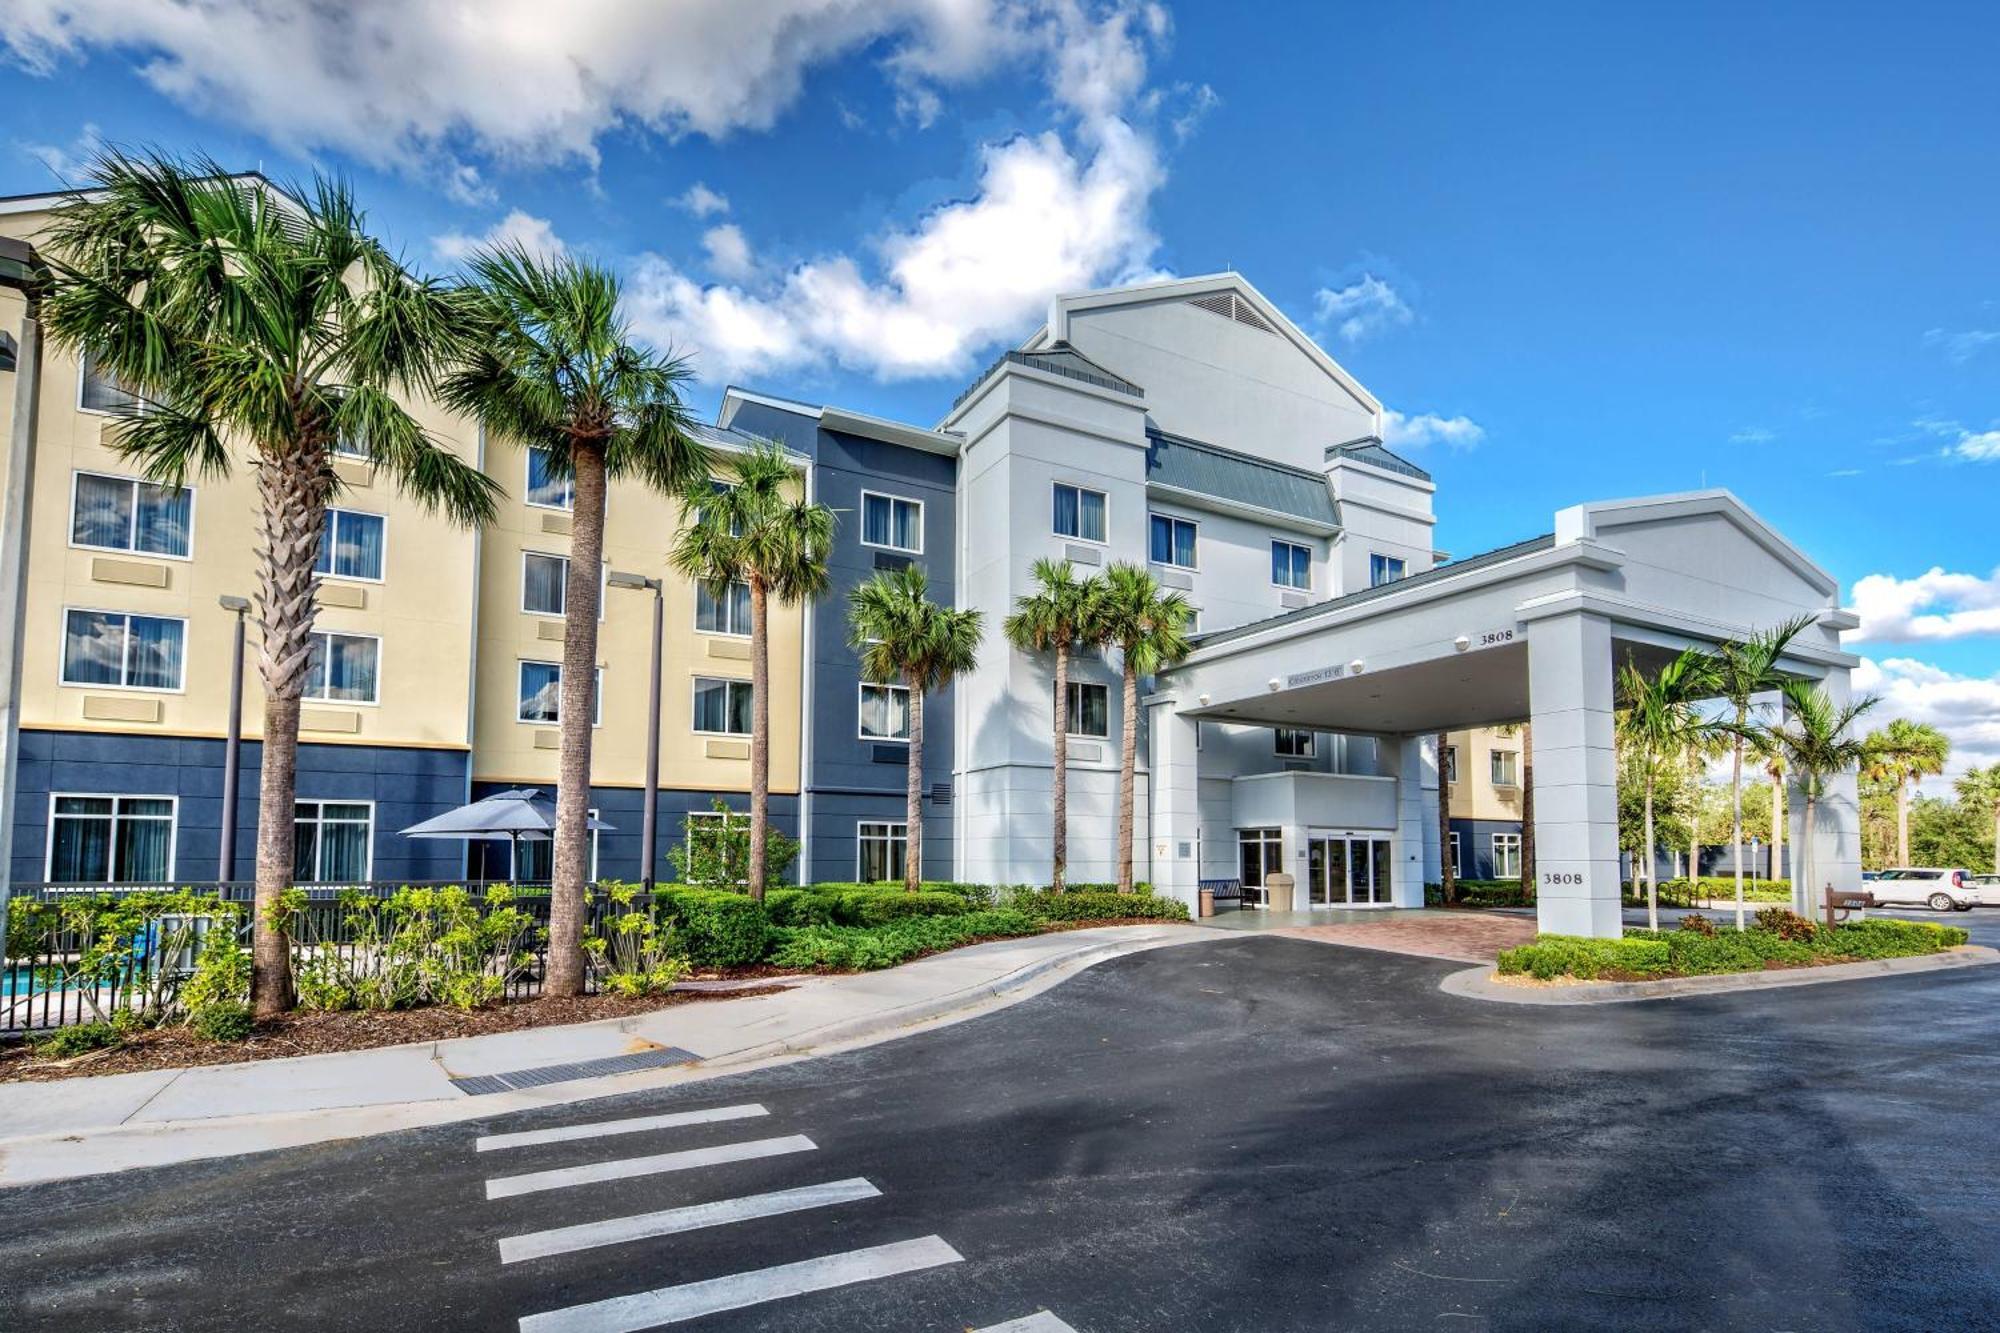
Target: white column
<point>1830,852</point>
<point>1576,776</point>
<point>1404,758</point>
<point>1176,805</point>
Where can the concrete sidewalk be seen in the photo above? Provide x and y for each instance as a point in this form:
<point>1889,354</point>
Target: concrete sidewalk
<point>86,1126</point>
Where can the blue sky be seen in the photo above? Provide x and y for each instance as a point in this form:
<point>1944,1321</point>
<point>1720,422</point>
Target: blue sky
<point>1583,250</point>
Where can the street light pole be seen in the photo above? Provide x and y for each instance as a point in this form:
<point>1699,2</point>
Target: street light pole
<point>232,754</point>
<point>20,271</point>
<point>648,817</point>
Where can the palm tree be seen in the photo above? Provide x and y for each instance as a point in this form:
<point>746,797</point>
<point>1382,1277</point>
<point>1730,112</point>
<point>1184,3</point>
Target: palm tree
<point>1148,626</point>
<point>1980,787</point>
<point>1447,872</point>
<point>1054,619</point>
<point>1743,671</point>
<point>1902,754</point>
<point>1528,808</point>
<point>1657,720</point>
<point>757,529</point>
<point>1817,739</point>
<point>1774,769</point>
<point>902,635</point>
<point>554,369</point>
<point>258,328</point>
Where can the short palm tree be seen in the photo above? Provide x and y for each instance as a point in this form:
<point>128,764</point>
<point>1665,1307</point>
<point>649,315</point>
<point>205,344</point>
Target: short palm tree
<point>1657,722</point>
<point>1148,627</point>
<point>1744,670</point>
<point>1902,754</point>
<point>1818,741</point>
<point>903,636</point>
<point>262,329</point>
<point>757,528</point>
<point>554,369</point>
<point>1054,619</point>
<point>1979,788</point>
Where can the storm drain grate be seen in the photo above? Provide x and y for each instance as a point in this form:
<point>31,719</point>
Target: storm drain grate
<point>475,1085</point>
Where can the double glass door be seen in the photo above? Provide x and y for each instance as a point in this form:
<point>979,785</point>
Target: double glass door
<point>1348,871</point>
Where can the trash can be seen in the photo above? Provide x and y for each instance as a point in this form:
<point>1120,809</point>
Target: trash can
<point>1208,902</point>
<point>1278,893</point>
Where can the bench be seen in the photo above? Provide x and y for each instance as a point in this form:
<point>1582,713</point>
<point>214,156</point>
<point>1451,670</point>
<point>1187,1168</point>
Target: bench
<point>1228,893</point>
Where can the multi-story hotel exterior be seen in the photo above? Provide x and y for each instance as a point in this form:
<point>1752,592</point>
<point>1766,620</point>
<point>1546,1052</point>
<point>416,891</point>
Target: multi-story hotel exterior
<point>1186,426</point>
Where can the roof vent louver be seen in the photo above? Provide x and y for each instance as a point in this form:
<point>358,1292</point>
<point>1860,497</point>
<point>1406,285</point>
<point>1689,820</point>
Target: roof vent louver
<point>1231,306</point>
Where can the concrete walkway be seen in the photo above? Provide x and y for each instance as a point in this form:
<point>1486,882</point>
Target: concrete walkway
<point>85,1126</point>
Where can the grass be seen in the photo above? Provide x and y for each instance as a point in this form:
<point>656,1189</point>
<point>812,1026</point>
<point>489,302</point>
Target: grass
<point>1644,955</point>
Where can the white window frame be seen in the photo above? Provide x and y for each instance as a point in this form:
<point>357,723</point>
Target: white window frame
<point>743,633</point>
<point>1448,769</point>
<point>62,666</point>
<point>860,710</point>
<point>358,703</point>
<point>895,500</point>
<point>695,692</point>
<point>1311,750</point>
<point>1175,519</point>
<point>1081,489</point>
<point>1511,842</point>
<point>49,832</point>
<point>139,406</point>
<point>527,484</point>
<point>1080,686</point>
<point>1512,765</point>
<point>1296,546</point>
<point>341,449</point>
<point>596,697</point>
<point>327,533</point>
<point>603,584</point>
<point>1401,563</point>
<point>896,827</point>
<point>1456,854</point>
<point>724,816</point>
<point>514,852</point>
<point>319,848</point>
<point>135,483</point>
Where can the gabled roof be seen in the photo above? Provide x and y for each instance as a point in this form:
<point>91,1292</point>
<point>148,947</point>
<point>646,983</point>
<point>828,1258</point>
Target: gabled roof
<point>728,437</point>
<point>1056,359</point>
<point>1372,453</point>
<point>1207,472</point>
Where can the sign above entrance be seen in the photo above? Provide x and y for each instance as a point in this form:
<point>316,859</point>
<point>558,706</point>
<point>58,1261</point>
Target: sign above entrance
<point>1317,676</point>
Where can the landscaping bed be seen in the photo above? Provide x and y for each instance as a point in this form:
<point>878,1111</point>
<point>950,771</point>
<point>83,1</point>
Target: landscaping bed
<point>1780,940</point>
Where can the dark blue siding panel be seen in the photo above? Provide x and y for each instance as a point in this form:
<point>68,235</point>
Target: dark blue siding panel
<point>618,847</point>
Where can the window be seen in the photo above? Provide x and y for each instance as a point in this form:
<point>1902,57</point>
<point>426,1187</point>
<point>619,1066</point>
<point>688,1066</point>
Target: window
<point>114,648</point>
<point>333,842</point>
<point>351,546</point>
<point>111,839</point>
<point>548,488</point>
<point>889,521</point>
<point>1089,710</point>
<point>344,447</point>
<point>1506,768</point>
<point>1172,541</point>
<point>885,712</point>
<point>345,668</point>
<point>729,614</point>
<point>126,514</point>
<point>1291,565</point>
<point>1506,856</point>
<point>1260,852</point>
<point>717,486</point>
<point>1450,764</point>
<point>535,862</point>
<point>880,851</point>
<point>722,707</point>
<point>1451,850</point>
<point>1294,743</point>
<point>541,694</point>
<point>1384,569</point>
<point>545,584</point>
<point>100,391</point>
<point>1079,513</point>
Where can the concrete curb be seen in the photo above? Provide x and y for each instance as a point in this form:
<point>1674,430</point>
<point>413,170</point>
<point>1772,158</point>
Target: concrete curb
<point>1477,983</point>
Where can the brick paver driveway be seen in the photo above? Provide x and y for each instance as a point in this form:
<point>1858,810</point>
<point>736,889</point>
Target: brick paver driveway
<point>1467,937</point>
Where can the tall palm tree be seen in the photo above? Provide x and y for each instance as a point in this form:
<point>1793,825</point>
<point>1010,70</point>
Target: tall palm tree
<point>1774,770</point>
<point>1528,881</point>
<point>1818,742</point>
<point>1980,788</point>
<point>1054,619</point>
<point>902,635</point>
<point>1743,671</point>
<point>1902,754</point>
<point>554,368</point>
<point>1657,720</point>
<point>758,529</point>
<point>1447,872</point>
<point>258,328</point>
<point>1148,626</point>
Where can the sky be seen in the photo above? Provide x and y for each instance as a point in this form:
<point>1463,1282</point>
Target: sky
<point>1579,251</point>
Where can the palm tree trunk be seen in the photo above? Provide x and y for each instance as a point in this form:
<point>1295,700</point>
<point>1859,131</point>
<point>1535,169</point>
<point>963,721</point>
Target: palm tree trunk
<point>1528,809</point>
<point>760,734</point>
<point>292,487</point>
<point>1802,874</point>
<point>1777,825</point>
<point>576,713</point>
<point>1736,814</point>
<point>1902,822</point>
<point>913,795</point>
<point>1652,875</point>
<point>1996,837</point>
<point>1447,872</point>
<point>1059,780</point>
<point>1127,763</point>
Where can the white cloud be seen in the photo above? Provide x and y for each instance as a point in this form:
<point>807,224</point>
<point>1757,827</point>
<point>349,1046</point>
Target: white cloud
<point>1962,346</point>
<point>1399,431</point>
<point>1753,435</point>
<point>1934,605</point>
<point>1363,307</point>
<point>1965,708</point>
<point>1961,444</point>
<point>702,201</point>
<point>728,252</point>
<point>68,163</point>
<point>535,235</point>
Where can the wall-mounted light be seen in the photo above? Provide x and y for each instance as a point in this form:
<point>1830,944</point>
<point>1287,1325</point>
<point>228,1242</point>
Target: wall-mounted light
<point>1202,699</point>
<point>1354,667</point>
<point>1461,643</point>
<point>1272,684</point>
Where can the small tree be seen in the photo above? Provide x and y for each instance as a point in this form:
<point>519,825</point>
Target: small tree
<point>757,529</point>
<point>1743,671</point>
<point>1054,619</point>
<point>1448,872</point>
<point>1657,722</point>
<point>715,848</point>
<point>1980,788</point>
<point>1817,740</point>
<point>1902,754</point>
<point>1148,626</point>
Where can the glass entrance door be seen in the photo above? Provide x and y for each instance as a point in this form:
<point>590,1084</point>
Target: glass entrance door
<point>1348,871</point>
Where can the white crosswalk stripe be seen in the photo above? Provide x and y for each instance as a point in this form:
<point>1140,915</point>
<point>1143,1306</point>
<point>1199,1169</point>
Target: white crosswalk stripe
<point>1039,1322</point>
<point>691,1300</point>
<point>670,1221</point>
<point>607,1128</point>
<point>506,1187</point>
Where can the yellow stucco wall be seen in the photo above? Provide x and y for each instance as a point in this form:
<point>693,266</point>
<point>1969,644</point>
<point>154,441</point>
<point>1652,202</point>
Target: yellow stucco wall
<point>1474,796</point>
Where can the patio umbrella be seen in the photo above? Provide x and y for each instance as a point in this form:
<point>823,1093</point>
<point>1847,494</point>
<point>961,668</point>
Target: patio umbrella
<point>518,815</point>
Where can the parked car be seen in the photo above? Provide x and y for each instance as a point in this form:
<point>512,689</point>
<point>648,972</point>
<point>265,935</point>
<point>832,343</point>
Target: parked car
<point>1986,889</point>
<point>1942,890</point>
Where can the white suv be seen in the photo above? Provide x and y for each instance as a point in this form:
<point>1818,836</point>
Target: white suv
<point>1943,890</point>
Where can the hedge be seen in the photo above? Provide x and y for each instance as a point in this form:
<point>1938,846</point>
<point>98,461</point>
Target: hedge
<point>718,927</point>
<point>1079,905</point>
<point>846,948</point>
<point>1689,953</point>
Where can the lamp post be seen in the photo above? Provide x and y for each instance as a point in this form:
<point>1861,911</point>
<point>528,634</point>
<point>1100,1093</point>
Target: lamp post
<point>232,753</point>
<point>648,834</point>
<point>20,271</point>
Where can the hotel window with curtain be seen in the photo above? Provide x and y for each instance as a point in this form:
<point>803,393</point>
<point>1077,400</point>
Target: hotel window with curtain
<point>1088,713</point>
<point>881,852</point>
<point>540,699</point>
<point>1291,565</point>
<point>892,522</point>
<point>1171,541</point>
<point>1079,513</point>
<point>125,514</point>
<point>722,707</point>
<point>885,712</point>
<point>547,488</point>
<point>345,668</point>
<point>111,839</point>
<point>351,545</point>
<point>333,841</point>
<point>119,649</point>
<point>728,614</point>
<point>100,391</point>
<point>1384,569</point>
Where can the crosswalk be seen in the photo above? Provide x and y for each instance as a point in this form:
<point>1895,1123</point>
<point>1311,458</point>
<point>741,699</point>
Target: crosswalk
<point>663,1306</point>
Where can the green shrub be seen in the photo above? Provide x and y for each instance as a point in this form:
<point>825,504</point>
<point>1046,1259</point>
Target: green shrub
<point>1581,956</point>
<point>717,927</point>
<point>798,907</point>
<point>1693,953</point>
<point>80,1039</point>
<point>416,946</point>
<point>1698,924</point>
<point>1483,893</point>
<point>636,950</point>
<point>1786,923</point>
<point>1082,905</point>
<point>222,1020</point>
<point>856,948</point>
<point>1885,937</point>
<point>716,852</point>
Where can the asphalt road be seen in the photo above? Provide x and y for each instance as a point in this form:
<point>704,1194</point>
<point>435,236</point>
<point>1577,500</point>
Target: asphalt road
<point>1255,1134</point>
